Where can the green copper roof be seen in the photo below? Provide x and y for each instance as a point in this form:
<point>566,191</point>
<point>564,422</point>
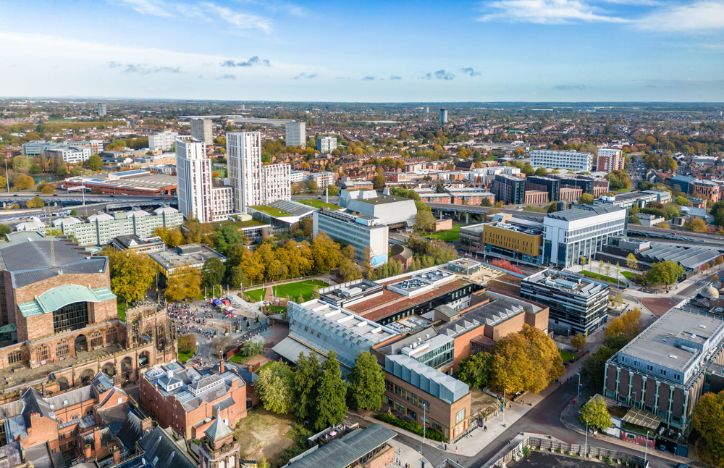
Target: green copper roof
<point>61,296</point>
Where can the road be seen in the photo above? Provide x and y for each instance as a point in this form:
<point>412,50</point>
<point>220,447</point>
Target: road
<point>544,418</point>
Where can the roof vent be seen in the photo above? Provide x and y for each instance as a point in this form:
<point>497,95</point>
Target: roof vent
<point>673,356</point>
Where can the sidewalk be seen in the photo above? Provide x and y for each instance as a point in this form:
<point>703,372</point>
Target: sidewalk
<point>480,437</point>
<point>406,455</point>
<point>569,418</point>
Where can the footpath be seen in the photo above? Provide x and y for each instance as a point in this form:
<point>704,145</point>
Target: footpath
<point>569,418</point>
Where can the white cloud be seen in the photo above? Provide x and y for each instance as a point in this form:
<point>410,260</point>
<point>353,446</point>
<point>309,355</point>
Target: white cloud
<point>203,11</point>
<point>238,19</point>
<point>148,7</point>
<point>697,17</point>
<point>546,12</point>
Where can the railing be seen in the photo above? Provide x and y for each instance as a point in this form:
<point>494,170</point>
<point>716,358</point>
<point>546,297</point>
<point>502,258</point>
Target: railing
<point>571,450</point>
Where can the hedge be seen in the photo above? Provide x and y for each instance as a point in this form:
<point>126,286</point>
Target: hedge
<point>413,427</point>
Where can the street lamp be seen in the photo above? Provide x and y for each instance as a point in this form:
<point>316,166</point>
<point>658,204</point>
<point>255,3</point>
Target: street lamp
<point>585,449</point>
<point>578,388</point>
<point>646,448</point>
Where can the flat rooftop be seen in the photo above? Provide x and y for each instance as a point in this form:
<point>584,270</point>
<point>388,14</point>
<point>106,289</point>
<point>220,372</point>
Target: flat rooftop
<point>675,339</point>
<point>583,212</point>
<point>364,328</point>
<point>185,255</point>
<point>381,200</point>
<point>570,282</point>
<point>389,302</point>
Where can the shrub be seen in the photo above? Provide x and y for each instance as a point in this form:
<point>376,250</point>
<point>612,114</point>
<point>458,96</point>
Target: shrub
<point>411,426</point>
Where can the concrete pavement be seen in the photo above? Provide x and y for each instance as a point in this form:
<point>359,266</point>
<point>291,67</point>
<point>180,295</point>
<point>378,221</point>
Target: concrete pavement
<point>569,418</point>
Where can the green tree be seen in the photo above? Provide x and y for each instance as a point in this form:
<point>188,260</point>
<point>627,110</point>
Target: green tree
<point>595,414</point>
<point>331,397</point>
<point>171,237</point>
<point>586,199</point>
<point>631,262</point>
<point>594,367</point>
<point>578,341</point>
<point>526,361</point>
<point>94,163</point>
<point>696,224</point>
<point>35,202</point>
<point>23,182</point>
<point>708,420</point>
<point>326,253</point>
<point>275,388</point>
<point>186,344</point>
<point>184,283</point>
<point>378,181</point>
<point>367,383</point>
<point>306,380</point>
<point>132,274</point>
<point>665,273</point>
<point>424,221</point>
<point>348,270</point>
<point>213,272</point>
<point>476,370</point>
<point>717,211</point>
<point>5,230</point>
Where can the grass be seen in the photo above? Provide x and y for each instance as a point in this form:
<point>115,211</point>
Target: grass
<point>451,235</point>
<point>262,434</point>
<point>271,211</point>
<point>239,359</point>
<point>122,306</point>
<point>631,276</point>
<point>183,357</point>
<point>314,203</point>
<point>291,291</point>
<point>566,355</point>
<point>598,276</point>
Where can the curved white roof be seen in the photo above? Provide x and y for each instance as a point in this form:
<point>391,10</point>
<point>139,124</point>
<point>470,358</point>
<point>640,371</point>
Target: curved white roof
<point>66,221</point>
<point>165,209</point>
<point>100,217</point>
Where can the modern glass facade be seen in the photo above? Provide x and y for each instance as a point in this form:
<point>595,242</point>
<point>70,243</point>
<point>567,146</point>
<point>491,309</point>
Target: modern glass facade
<point>71,317</point>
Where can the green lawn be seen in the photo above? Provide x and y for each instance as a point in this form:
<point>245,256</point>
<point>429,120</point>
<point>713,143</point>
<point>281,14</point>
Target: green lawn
<point>315,203</point>
<point>598,276</point>
<point>271,211</point>
<point>448,236</point>
<point>238,359</point>
<point>183,357</point>
<point>630,275</point>
<point>567,356</point>
<point>291,291</point>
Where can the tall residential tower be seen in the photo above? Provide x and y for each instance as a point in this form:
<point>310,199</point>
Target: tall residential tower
<point>252,182</point>
<point>202,130</point>
<point>197,197</point>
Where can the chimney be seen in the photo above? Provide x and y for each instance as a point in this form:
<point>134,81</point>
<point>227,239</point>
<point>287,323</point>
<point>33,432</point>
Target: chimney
<point>222,368</point>
<point>87,451</point>
<point>97,441</point>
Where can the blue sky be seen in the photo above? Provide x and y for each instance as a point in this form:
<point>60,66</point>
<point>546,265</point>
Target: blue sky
<point>382,51</point>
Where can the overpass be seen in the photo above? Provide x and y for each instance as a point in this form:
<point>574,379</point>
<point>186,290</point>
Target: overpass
<point>478,213</point>
<point>74,199</point>
<point>679,237</point>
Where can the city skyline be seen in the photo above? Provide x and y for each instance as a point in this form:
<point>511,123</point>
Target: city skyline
<point>503,50</point>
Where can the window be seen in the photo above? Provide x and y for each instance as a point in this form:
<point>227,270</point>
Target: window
<point>61,350</point>
<point>96,340</point>
<point>460,416</point>
<point>15,357</point>
<point>71,317</point>
<point>43,353</point>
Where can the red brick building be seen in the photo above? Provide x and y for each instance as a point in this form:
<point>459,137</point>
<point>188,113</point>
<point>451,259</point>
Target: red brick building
<point>189,401</point>
<point>60,318</point>
<point>87,424</point>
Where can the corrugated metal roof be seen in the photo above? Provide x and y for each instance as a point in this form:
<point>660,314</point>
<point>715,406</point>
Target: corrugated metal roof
<point>63,295</point>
